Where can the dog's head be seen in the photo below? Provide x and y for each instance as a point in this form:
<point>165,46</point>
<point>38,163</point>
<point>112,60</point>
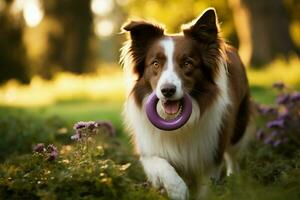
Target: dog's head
<point>172,65</point>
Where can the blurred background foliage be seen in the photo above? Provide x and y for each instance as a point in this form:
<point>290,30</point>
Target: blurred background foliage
<point>45,37</point>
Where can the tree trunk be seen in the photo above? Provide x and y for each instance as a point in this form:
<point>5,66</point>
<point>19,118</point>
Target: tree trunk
<point>13,56</point>
<point>263,30</point>
<point>70,49</point>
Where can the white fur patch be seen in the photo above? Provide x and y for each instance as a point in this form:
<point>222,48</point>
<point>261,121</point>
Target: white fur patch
<point>161,173</point>
<point>169,75</point>
<point>229,164</point>
<point>126,61</point>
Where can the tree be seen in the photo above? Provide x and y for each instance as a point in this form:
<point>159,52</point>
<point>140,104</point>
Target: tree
<point>13,58</point>
<point>69,49</point>
<point>263,30</point>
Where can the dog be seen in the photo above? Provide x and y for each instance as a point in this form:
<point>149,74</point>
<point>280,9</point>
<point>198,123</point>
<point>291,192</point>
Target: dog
<point>198,62</point>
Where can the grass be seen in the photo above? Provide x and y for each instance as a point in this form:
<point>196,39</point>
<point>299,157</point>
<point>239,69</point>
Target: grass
<point>262,168</point>
<point>45,111</point>
<point>64,113</point>
<point>83,110</point>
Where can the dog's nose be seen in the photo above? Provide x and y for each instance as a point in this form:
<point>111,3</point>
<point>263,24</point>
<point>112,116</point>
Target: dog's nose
<point>168,90</point>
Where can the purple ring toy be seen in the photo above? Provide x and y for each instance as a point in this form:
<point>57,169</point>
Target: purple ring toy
<point>168,125</point>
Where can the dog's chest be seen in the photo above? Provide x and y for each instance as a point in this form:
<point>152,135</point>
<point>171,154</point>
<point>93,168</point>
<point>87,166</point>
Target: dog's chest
<point>190,148</point>
<point>191,151</point>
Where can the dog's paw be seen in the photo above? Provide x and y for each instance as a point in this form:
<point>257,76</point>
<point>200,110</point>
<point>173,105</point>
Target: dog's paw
<point>161,173</point>
<point>176,188</point>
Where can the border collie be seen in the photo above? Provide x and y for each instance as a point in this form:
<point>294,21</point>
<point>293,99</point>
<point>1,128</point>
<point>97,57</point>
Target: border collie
<point>196,61</point>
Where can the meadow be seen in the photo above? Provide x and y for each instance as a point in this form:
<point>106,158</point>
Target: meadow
<point>104,166</point>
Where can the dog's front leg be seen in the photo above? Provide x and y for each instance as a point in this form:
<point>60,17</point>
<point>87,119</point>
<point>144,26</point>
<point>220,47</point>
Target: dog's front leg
<point>161,173</point>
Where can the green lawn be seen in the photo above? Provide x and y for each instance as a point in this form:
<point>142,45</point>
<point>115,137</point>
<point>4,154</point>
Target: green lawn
<point>262,168</point>
<point>67,112</point>
<point>83,110</point>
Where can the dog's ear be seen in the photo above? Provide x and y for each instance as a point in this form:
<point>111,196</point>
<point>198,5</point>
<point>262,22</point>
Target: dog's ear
<point>205,28</point>
<point>142,33</point>
<point>142,30</point>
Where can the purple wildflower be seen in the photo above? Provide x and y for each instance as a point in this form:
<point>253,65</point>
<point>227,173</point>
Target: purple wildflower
<point>52,156</point>
<point>274,133</point>
<point>52,152</point>
<point>283,116</point>
<point>265,110</point>
<point>92,126</point>
<point>279,85</point>
<point>86,129</point>
<point>51,148</point>
<point>39,148</point>
<point>295,96</point>
<point>77,136</point>
<point>268,140</point>
<point>278,123</point>
<point>80,125</point>
<point>283,99</point>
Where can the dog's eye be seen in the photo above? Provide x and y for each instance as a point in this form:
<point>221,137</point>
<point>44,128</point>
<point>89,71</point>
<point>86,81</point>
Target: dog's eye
<point>187,64</point>
<point>155,64</point>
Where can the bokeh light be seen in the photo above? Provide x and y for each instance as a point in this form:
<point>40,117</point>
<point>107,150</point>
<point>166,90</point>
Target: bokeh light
<point>104,28</point>
<point>17,6</point>
<point>33,13</point>
<point>102,7</point>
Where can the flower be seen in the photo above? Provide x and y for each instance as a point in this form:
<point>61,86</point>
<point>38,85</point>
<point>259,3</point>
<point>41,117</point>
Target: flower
<point>268,140</point>
<point>51,147</point>
<point>274,133</point>
<point>266,110</point>
<point>284,116</point>
<point>52,156</point>
<point>278,123</point>
<point>79,125</point>
<point>282,120</point>
<point>87,129</point>
<point>283,99</point>
<point>84,129</point>
<point>52,152</point>
<point>92,126</point>
<point>295,96</point>
<point>279,85</point>
<point>77,136</point>
<point>39,148</point>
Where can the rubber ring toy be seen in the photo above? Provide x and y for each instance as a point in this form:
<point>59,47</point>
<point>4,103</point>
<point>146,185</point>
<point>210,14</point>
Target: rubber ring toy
<point>172,124</point>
